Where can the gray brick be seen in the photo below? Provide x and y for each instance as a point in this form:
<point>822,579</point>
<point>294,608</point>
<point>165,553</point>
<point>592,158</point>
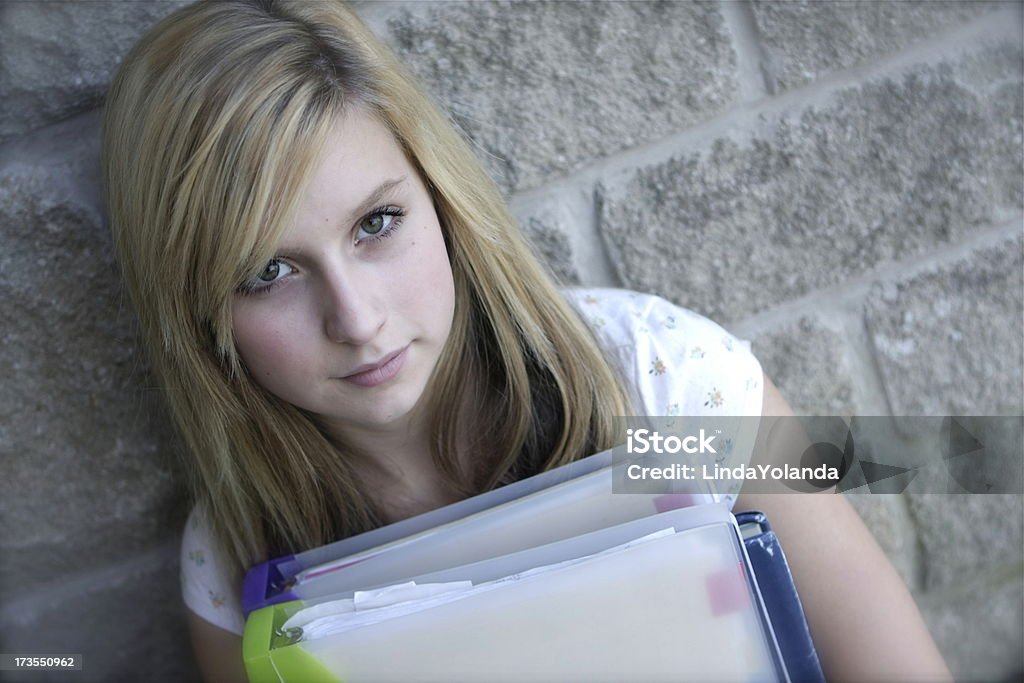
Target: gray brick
<point>963,536</point>
<point>805,39</point>
<point>880,173</point>
<point>88,455</point>
<point>997,73</point>
<point>548,229</point>
<point>807,361</point>
<point>543,88</point>
<point>58,56</point>
<point>980,631</point>
<point>130,627</point>
<point>948,341</point>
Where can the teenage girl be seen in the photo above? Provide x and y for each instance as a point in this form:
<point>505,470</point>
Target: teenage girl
<point>350,329</point>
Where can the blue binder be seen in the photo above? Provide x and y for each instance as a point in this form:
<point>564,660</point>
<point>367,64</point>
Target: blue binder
<point>781,601</point>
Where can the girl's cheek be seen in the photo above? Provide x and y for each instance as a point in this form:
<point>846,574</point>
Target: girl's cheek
<point>265,339</point>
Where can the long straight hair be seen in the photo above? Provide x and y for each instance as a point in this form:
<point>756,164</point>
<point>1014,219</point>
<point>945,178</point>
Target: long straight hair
<point>213,127</point>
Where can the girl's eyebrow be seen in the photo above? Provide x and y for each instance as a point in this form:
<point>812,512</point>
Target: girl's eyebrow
<point>371,202</point>
<point>375,198</point>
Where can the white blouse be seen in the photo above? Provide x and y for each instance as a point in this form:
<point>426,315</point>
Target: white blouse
<point>675,361</point>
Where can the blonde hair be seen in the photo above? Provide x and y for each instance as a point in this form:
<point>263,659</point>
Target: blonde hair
<point>212,128</point>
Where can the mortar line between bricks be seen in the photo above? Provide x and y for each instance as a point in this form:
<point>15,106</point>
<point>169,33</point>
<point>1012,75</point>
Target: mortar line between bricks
<point>588,250</point>
<point>918,568</point>
<point>755,82</point>
<point>848,293</point>
<point>868,380</point>
<point>743,121</point>
<point>1000,575</point>
<point>870,350</point>
<point>64,589</point>
<point>592,248</point>
<point>36,147</point>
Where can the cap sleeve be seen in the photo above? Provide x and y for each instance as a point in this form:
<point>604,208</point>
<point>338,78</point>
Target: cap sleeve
<point>689,365</point>
<point>205,586</point>
<point>678,361</point>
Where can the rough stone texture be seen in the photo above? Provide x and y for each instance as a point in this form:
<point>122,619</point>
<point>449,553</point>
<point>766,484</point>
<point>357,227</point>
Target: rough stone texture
<point>543,88</point>
<point>548,229</point>
<point>948,341</point>
<point>808,362</point>
<point>129,627</point>
<point>883,172</point>
<point>980,630</point>
<point>964,535</point>
<point>805,39</point>
<point>58,56</point>
<point>996,73</point>
<point>886,516</point>
<point>888,170</point>
<point>89,476</point>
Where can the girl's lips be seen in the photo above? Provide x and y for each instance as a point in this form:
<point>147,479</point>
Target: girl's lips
<point>379,374</point>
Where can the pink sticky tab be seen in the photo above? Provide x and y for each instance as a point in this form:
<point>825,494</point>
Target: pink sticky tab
<point>727,591</point>
<point>674,501</point>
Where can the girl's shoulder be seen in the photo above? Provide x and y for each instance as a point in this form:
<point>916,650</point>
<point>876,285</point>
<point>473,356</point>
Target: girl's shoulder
<point>677,361</point>
<point>622,314</point>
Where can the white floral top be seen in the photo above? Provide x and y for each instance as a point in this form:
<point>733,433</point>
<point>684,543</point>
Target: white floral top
<point>676,362</point>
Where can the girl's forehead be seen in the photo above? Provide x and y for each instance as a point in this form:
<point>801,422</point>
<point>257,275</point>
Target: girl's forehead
<point>360,160</point>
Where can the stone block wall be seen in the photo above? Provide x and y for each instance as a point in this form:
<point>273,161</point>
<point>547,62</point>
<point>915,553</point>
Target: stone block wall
<point>840,182</point>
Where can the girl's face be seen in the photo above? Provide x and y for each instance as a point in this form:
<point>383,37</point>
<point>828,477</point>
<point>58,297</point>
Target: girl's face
<point>349,318</point>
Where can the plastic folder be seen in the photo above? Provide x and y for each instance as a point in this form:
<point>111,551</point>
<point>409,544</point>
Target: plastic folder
<point>551,578</point>
<point>559,504</point>
<point>620,603</point>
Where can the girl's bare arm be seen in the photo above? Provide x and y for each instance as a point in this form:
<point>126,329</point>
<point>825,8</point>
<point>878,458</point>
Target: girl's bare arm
<point>218,652</point>
<point>864,622</point>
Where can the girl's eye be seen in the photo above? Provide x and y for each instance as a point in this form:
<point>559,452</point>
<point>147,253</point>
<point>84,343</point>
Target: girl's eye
<point>271,272</point>
<point>275,271</point>
<point>379,223</point>
<point>375,223</point>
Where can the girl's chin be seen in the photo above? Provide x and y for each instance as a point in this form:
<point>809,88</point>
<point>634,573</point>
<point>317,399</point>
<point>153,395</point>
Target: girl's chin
<point>379,417</point>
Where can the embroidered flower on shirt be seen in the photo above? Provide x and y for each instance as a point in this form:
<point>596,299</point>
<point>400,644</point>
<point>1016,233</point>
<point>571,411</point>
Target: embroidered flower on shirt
<point>751,383</point>
<point>217,600</point>
<point>591,299</point>
<point>727,343</point>
<point>715,399</point>
<point>672,409</point>
<point>697,352</point>
<point>597,321</point>
<point>642,329</point>
<point>657,367</point>
<point>197,557</point>
<point>670,322</point>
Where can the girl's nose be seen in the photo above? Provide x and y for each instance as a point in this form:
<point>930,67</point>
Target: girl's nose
<point>353,308</point>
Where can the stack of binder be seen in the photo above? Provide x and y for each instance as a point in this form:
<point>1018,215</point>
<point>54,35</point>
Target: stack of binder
<point>553,578</point>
